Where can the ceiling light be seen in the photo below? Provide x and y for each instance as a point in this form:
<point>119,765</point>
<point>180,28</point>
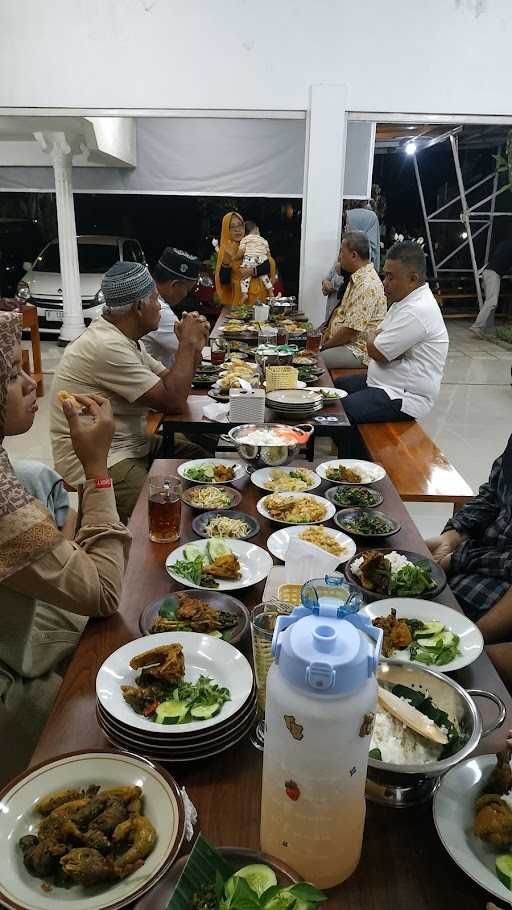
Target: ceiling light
<point>410,147</point>
<point>464,235</point>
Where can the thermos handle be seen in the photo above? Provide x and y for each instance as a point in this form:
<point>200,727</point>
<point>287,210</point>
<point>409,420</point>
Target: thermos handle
<point>363,623</point>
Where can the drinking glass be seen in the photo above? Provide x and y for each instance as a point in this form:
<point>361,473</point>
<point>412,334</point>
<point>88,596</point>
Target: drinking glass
<point>164,509</point>
<point>313,341</point>
<point>219,349</point>
<point>267,335</point>
<point>263,620</point>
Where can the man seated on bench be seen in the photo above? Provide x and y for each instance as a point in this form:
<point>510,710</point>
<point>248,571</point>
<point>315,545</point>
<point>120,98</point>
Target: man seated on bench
<point>408,352</point>
<point>108,359</point>
<point>361,310</point>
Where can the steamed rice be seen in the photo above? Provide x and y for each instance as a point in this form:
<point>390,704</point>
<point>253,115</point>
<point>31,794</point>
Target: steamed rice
<point>399,745</point>
<point>396,559</point>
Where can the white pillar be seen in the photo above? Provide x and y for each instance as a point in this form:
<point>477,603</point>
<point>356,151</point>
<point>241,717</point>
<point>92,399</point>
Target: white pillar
<point>323,193</point>
<point>61,156</point>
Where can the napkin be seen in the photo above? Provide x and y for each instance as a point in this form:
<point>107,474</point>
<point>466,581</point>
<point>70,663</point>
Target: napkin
<point>190,815</point>
<point>305,561</point>
<point>216,411</point>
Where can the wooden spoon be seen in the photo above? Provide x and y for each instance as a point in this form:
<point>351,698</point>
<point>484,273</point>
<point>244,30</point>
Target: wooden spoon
<point>411,717</point>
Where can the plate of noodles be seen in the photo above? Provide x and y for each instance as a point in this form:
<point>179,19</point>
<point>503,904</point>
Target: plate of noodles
<point>285,479</point>
<point>295,508</point>
<point>333,542</point>
<point>236,525</point>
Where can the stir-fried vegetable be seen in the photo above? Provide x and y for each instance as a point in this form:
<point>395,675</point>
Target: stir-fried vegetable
<point>412,580</point>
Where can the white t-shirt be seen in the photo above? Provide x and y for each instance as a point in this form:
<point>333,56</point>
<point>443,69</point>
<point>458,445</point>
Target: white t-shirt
<point>162,344</point>
<point>413,337</point>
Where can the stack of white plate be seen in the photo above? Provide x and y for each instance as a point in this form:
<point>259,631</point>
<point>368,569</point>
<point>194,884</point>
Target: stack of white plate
<point>296,402</point>
<point>204,656</point>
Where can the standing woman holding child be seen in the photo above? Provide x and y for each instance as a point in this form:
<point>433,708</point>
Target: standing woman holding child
<point>229,270</point>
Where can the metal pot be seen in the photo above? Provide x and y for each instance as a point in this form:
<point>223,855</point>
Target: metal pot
<point>282,306</point>
<point>402,786</point>
<point>268,456</point>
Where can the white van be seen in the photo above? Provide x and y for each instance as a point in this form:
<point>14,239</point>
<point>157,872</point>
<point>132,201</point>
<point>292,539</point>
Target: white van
<point>42,283</point>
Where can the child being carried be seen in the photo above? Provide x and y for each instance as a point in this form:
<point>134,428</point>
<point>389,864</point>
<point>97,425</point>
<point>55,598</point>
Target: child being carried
<point>253,250</point>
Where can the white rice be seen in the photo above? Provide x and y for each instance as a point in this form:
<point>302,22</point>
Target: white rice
<point>261,438</point>
<point>399,745</point>
<point>396,559</point>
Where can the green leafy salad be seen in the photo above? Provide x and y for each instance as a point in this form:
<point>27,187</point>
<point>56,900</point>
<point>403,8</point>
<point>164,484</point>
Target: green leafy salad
<point>202,567</point>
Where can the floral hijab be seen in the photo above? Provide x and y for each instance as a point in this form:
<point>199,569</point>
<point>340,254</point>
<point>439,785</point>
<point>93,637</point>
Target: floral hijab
<point>27,531</point>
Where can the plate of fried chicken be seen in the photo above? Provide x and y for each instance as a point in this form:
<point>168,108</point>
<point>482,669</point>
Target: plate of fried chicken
<point>207,612</point>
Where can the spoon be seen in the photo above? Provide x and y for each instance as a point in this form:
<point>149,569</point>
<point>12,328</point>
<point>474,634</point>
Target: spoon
<point>411,717</point>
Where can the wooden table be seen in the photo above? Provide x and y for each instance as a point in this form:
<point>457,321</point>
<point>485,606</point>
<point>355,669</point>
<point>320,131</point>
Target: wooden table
<point>403,866</point>
<point>192,421</point>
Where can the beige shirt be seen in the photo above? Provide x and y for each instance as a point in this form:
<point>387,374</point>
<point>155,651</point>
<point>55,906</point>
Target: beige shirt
<point>76,580</point>
<point>254,245</point>
<point>362,308</point>
<point>103,361</point>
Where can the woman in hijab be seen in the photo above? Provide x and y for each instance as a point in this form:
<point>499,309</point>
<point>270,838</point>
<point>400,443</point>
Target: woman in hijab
<point>228,269</point>
<point>475,549</point>
<point>47,583</point>
<point>358,217</point>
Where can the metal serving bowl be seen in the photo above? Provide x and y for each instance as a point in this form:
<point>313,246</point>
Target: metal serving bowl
<point>402,786</point>
<point>273,358</point>
<point>265,455</point>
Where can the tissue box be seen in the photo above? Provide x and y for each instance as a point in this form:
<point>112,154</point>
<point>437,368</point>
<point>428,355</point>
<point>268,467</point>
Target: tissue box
<point>247,407</point>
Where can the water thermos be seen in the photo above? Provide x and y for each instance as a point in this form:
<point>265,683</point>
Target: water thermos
<point>320,707</point>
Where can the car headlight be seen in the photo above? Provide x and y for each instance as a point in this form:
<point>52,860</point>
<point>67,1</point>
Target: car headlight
<point>23,290</point>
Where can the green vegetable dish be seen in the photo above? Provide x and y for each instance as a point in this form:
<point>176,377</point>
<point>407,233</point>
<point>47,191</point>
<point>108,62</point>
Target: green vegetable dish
<point>367,524</point>
<point>429,643</point>
<point>356,496</point>
<point>393,574</point>
<point>202,568</point>
<point>209,882</point>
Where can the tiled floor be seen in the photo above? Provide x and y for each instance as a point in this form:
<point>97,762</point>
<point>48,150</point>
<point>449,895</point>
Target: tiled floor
<point>470,422</point>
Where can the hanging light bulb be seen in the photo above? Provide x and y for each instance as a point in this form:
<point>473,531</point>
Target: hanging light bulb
<point>410,147</point>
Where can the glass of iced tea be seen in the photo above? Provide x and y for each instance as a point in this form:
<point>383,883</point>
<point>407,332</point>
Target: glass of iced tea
<point>219,349</point>
<point>164,509</point>
<point>313,341</point>
<point>263,620</point>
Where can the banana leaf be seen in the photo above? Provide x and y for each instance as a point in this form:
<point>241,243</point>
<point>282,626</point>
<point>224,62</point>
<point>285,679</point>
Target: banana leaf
<point>201,870</point>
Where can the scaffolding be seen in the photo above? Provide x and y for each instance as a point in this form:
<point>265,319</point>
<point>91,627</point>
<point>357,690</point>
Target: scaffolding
<point>473,220</point>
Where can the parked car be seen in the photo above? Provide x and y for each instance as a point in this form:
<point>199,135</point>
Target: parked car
<point>42,283</point>
<point>20,240</point>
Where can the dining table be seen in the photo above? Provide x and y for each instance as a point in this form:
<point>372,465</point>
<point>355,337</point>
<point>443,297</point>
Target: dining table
<point>403,865</point>
<point>333,421</point>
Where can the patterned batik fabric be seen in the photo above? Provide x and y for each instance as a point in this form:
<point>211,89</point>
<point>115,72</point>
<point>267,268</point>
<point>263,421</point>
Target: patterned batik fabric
<point>27,531</point>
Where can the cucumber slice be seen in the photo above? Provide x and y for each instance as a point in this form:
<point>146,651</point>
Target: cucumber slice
<point>259,877</point>
<point>447,638</point>
<point>204,712</point>
<point>191,552</point>
<point>171,712</point>
<point>504,869</point>
<point>431,628</point>
<point>215,634</point>
<point>216,548</point>
<point>435,641</point>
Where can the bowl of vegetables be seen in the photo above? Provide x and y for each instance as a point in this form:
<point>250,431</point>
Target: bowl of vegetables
<point>210,878</point>
<point>206,612</point>
<point>211,497</point>
<point>395,573</point>
<point>364,524</point>
<point>360,497</point>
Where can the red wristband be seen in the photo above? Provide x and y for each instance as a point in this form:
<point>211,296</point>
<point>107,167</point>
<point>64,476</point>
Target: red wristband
<point>103,483</point>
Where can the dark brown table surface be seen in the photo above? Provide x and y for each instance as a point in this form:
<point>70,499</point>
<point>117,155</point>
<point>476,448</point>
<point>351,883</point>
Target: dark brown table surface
<point>403,866</point>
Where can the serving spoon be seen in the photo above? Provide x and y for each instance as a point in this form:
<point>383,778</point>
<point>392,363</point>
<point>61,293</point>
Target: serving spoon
<point>411,717</point>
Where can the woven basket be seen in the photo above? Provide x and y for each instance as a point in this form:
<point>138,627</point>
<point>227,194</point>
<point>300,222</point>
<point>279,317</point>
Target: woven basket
<point>290,594</point>
<point>281,378</point>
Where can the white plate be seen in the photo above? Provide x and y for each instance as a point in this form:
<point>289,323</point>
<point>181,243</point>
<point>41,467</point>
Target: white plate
<point>326,388</point>
<point>471,642</point>
<point>203,654</point>
<point>300,384</point>
<point>294,397</point>
<point>279,541</point>
<point>370,470</point>
<point>454,812</point>
<point>261,477</point>
<point>255,564</point>
<point>330,509</point>
<point>197,462</point>
<point>162,805</point>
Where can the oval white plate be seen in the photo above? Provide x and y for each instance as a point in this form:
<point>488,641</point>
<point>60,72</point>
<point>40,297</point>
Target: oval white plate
<point>18,818</point>
<point>300,384</point>
<point>330,509</point>
<point>454,813</point>
<point>279,541</point>
<point>261,477</point>
<point>371,470</point>
<point>197,462</point>
<point>471,642</point>
<point>255,564</point>
<point>326,388</point>
<point>204,656</point>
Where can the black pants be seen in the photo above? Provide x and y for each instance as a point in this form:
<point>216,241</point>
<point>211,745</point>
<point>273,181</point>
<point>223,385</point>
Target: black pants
<point>365,404</point>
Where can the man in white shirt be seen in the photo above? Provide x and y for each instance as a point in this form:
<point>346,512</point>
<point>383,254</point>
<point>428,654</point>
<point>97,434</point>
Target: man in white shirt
<point>176,274</point>
<point>407,354</point>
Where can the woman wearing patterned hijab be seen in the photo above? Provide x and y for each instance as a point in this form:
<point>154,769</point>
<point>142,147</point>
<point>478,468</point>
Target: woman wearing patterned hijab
<point>48,585</point>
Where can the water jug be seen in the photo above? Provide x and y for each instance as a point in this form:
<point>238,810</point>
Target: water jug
<point>320,707</point>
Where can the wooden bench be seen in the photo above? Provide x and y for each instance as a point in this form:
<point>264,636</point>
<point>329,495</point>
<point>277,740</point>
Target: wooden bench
<point>153,421</point>
<point>415,465</point>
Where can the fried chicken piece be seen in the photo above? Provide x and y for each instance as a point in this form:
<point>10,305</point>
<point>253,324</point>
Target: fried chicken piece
<point>41,857</point>
<point>201,617</point>
<point>51,802</point>
<point>59,828</point>
<point>397,634</point>
<point>113,814</point>
<point>226,566</point>
<point>493,820</point>
<point>140,835</point>
<point>139,698</point>
<point>375,572</point>
<point>222,472</point>
<point>86,866</point>
<point>169,659</point>
<point>500,781</point>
